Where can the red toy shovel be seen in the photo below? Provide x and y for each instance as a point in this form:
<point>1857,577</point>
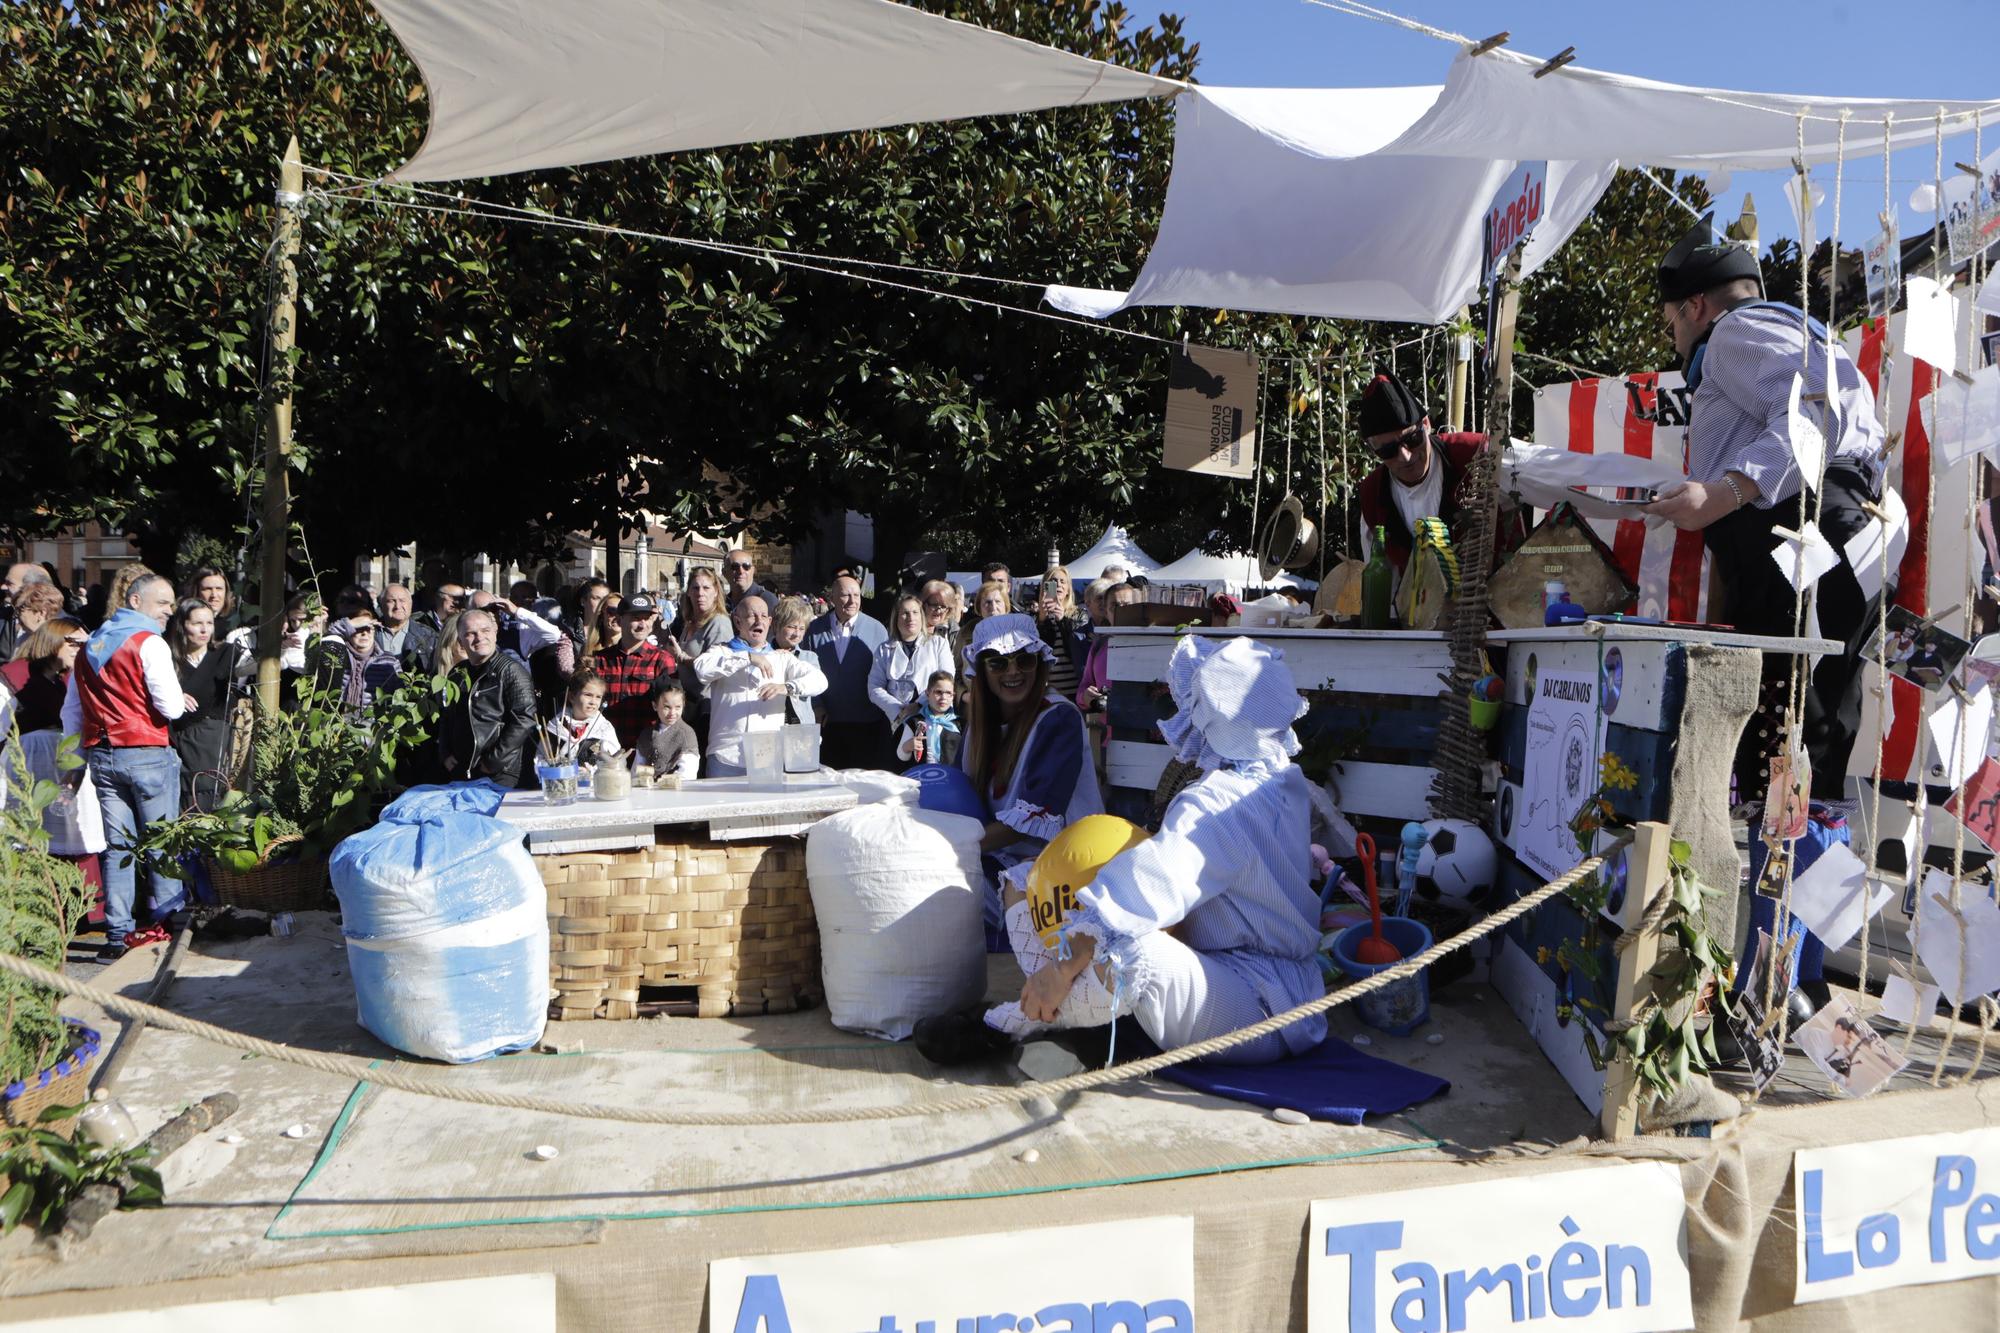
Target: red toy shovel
<point>1373,949</point>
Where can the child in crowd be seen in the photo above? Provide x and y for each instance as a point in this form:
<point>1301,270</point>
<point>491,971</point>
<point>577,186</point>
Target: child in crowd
<point>581,727</point>
<point>671,748</point>
<point>930,735</point>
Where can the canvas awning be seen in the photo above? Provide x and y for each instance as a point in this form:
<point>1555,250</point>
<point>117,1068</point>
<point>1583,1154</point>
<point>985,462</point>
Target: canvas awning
<point>1287,200</point>
<point>1232,573</point>
<point>1115,547</point>
<point>517,85</point>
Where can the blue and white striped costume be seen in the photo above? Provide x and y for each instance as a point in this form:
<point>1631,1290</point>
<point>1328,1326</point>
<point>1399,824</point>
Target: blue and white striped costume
<point>1229,868</point>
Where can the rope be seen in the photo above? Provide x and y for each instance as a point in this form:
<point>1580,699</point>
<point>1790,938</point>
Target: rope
<point>1356,9</point>
<point>1670,192</point>
<point>1319,413</point>
<point>1881,687</point>
<point>427,1084</point>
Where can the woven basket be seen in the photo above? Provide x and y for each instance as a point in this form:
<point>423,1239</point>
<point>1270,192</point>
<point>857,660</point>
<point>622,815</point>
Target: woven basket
<point>272,886</point>
<point>65,1083</point>
<point>734,921</point>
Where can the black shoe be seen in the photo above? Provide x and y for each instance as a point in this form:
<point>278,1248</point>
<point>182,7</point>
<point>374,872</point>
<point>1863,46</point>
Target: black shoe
<point>960,1038</point>
<point>1818,992</point>
<point>111,951</point>
<point>1801,1007</point>
<point>177,921</point>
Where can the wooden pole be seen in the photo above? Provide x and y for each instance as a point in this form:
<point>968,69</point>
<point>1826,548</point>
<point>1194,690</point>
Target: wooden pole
<point>1646,875</point>
<point>278,428</point>
<point>1461,372</point>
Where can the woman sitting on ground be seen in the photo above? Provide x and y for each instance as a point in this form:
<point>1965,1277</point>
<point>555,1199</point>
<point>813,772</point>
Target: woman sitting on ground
<point>1229,874</point>
<point>1024,747</point>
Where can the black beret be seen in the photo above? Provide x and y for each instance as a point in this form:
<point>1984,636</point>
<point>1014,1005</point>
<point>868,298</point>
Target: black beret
<point>1701,261</point>
<point>1386,405</point>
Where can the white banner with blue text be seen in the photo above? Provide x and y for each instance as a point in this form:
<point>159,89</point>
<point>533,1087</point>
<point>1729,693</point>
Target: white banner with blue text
<point>1116,1277</point>
<point>1600,1249</point>
<point>1896,1213</point>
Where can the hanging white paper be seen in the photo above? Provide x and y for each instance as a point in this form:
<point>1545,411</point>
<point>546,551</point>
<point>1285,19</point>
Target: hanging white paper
<point>1807,558</point>
<point>1833,896</point>
<point>1930,327</point>
<point>1907,1004</point>
<point>1963,419</point>
<point>1988,300</point>
<point>1939,941</point>
<point>1803,221</point>
<point>1960,729</point>
<point>1878,548</point>
<point>1808,441</point>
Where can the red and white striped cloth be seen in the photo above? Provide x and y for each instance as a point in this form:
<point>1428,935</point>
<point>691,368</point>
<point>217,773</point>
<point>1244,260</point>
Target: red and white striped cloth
<point>1668,566</point>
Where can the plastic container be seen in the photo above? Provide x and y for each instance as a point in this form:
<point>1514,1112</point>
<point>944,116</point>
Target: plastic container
<point>1484,713</point>
<point>559,782</point>
<point>1403,1007</point>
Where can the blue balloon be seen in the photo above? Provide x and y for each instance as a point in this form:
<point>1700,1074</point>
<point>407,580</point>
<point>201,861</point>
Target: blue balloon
<point>947,790</point>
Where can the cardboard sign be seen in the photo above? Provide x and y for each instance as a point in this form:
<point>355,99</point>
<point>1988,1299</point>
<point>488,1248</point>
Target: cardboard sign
<point>1136,1276</point>
<point>1516,208</point>
<point>1603,1249</point>
<point>1211,411</point>
<point>1896,1213</point>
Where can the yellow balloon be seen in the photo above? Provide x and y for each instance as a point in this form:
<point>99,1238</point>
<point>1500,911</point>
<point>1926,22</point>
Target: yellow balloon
<point>1070,861</point>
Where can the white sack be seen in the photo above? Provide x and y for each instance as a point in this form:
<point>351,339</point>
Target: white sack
<point>898,894</point>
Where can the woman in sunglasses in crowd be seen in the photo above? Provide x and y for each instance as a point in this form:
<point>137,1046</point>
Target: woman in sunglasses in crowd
<point>38,676</point>
<point>1024,748</point>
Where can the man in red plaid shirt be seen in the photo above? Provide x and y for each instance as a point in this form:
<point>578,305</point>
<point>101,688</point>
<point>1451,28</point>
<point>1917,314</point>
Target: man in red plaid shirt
<point>630,668</point>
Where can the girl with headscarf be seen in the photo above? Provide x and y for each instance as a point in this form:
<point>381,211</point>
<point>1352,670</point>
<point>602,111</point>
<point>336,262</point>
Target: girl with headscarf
<point>347,660</point>
<point>1229,873</point>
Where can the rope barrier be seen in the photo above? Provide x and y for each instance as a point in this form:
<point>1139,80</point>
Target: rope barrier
<point>427,1084</point>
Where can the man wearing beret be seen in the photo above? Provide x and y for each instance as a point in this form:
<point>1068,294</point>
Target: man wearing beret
<point>1762,425</point>
<point>1421,473</point>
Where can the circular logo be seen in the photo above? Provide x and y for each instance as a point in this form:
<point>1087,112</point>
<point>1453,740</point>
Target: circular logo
<point>1613,683</point>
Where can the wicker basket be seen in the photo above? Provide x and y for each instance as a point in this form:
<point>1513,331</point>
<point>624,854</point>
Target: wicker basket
<point>65,1083</point>
<point>272,886</point>
<point>732,920</point>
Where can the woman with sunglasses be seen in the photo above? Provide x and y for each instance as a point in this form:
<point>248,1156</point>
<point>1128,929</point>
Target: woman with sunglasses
<point>1024,748</point>
<point>39,673</point>
<point>1419,473</point>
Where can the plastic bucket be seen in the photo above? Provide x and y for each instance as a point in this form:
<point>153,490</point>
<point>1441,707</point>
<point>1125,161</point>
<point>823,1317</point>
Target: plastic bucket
<point>1404,1006</point>
<point>1485,713</point>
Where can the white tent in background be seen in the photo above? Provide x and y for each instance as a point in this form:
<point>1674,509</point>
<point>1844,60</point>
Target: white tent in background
<point>1115,547</point>
<point>1223,573</point>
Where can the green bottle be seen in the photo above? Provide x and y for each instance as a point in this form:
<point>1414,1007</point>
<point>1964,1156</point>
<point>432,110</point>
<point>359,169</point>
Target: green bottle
<point>1378,582</point>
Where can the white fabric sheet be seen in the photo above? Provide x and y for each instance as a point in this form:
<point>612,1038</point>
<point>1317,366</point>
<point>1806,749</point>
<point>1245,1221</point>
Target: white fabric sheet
<point>1493,107</point>
<point>517,85</point>
<point>1224,573</point>
<point>1115,547</point>
<point>1283,199</point>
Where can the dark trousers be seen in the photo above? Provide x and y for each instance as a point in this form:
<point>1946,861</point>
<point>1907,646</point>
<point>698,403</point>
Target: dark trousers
<point>1762,601</point>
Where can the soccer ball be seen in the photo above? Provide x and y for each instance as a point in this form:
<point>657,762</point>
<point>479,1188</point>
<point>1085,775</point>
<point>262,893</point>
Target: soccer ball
<point>1457,863</point>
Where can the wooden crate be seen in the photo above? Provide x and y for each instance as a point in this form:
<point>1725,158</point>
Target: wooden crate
<point>733,921</point>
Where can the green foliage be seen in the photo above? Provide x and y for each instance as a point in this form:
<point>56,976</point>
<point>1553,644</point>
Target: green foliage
<point>43,902</point>
<point>48,1172</point>
<point>579,369</point>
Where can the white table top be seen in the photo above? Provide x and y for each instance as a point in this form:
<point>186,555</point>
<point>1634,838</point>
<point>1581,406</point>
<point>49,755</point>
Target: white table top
<point>698,802</point>
<point>1613,631</point>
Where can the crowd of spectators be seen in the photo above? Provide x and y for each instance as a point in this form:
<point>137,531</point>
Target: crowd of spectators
<point>157,687</point>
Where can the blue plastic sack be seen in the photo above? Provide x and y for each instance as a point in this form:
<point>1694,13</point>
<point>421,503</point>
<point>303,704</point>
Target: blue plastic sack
<point>446,927</point>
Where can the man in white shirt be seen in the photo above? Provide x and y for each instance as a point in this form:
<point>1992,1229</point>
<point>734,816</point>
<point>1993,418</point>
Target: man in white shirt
<point>853,733</point>
<point>750,686</point>
<point>528,633</point>
<point>121,697</point>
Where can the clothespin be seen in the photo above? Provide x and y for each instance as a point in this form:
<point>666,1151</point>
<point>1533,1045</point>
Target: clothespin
<point>1969,170</point>
<point>1481,48</point>
<point>1557,61</point>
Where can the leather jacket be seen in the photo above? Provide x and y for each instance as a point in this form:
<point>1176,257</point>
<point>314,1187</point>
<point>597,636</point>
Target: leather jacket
<point>487,731</point>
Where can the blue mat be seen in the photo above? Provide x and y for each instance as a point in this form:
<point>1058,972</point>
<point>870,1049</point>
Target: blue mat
<point>1332,1081</point>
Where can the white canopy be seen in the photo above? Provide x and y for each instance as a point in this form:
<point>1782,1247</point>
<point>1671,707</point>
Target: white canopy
<point>1231,573</point>
<point>520,84</point>
<point>1494,106</point>
<point>1288,200</point>
<point>1115,547</point>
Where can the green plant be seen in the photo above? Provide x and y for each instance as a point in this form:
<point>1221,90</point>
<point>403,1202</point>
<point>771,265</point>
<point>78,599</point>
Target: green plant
<point>42,902</point>
<point>48,1172</point>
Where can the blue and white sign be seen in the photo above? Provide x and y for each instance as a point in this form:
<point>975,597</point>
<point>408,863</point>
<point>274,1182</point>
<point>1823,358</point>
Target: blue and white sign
<point>1112,1277</point>
<point>1897,1213</point>
<point>1599,1249</point>
<point>1516,208</point>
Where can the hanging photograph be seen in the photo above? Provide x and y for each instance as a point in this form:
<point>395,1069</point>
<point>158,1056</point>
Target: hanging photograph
<point>1918,651</point>
<point>1211,411</point>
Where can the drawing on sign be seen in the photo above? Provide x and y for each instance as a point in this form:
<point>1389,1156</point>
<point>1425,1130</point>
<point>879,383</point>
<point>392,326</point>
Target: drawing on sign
<point>1559,769</point>
<point>1977,804</point>
<point>1211,411</point>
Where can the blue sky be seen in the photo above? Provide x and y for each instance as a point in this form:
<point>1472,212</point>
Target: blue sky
<point>1943,49</point>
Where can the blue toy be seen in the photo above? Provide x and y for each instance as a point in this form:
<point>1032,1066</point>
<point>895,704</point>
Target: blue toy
<point>1414,838</point>
<point>947,790</point>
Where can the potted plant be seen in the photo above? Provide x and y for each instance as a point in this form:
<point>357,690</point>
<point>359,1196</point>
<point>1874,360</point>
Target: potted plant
<point>317,774</point>
<point>44,1059</point>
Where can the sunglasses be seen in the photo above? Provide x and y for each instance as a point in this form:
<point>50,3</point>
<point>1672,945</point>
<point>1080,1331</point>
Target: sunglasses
<point>1022,661</point>
<point>734,567</point>
<point>1390,448</point>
